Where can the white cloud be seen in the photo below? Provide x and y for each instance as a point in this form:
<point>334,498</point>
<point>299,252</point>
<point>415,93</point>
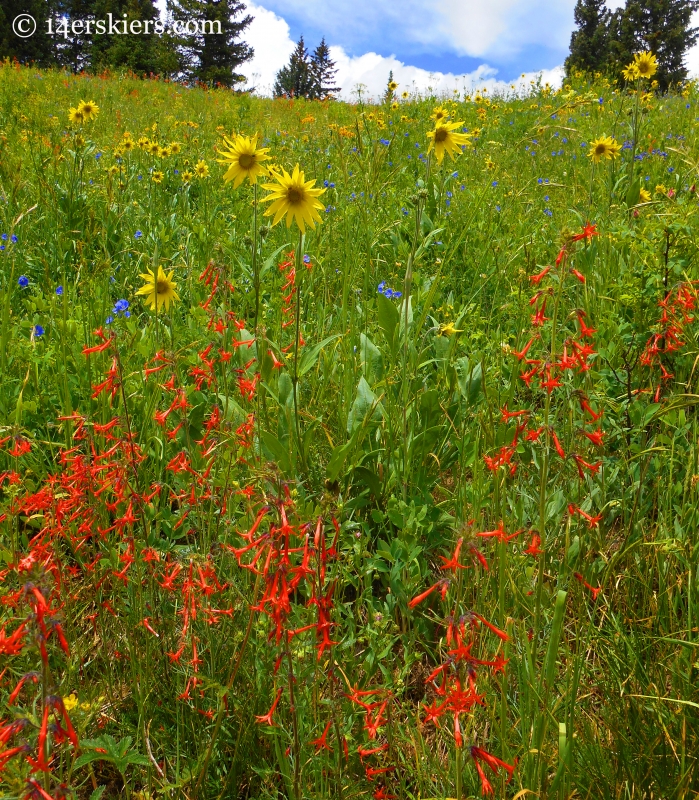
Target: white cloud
<point>371,70</point>
<point>270,36</point>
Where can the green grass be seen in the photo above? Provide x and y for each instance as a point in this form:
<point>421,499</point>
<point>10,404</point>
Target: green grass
<point>359,456</point>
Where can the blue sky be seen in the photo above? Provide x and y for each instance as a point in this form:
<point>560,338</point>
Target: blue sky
<point>457,36</point>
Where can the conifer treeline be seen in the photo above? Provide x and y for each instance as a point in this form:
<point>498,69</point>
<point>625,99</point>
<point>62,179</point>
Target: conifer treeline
<point>605,40</point>
<point>212,58</point>
<point>307,76</point>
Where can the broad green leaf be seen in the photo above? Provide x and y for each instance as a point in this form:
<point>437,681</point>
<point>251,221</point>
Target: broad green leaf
<point>365,403</point>
<point>372,360</point>
<point>309,355</point>
<point>388,319</point>
<point>469,378</point>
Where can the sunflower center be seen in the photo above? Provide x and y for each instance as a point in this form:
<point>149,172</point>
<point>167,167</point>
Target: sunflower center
<point>162,287</point>
<point>246,160</point>
<point>294,195</point>
<point>440,135</point>
<point>601,149</point>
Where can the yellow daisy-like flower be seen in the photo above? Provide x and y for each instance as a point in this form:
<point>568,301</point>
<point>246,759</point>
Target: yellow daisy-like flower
<point>646,63</point>
<point>157,176</point>
<point>163,152</point>
<point>187,176</point>
<point>405,95</point>
<point>444,139</point>
<point>440,114</point>
<point>448,329</point>
<point>88,109</point>
<point>127,145</point>
<point>644,196</point>
<point>201,170</point>
<point>295,198</point>
<point>153,148</point>
<point>76,116</point>
<point>244,159</point>
<point>175,148</point>
<point>630,72</point>
<point>159,290</point>
<point>394,106</point>
<point>392,86</point>
<point>70,702</point>
<point>604,147</point>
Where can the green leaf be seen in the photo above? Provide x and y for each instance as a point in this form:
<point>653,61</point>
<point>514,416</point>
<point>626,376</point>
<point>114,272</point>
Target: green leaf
<point>309,355</point>
<point>271,260</point>
<point>99,791</point>
<point>388,319</point>
<point>469,379</point>
<point>365,403</point>
<point>276,449</point>
<point>372,360</point>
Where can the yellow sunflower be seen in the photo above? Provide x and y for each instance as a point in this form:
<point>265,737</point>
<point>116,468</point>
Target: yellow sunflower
<point>444,139</point>
<point>88,109</point>
<point>644,196</point>
<point>392,86</point>
<point>159,290</point>
<point>187,176</point>
<point>440,114</point>
<point>157,176</point>
<point>244,159</point>
<point>175,148</point>
<point>604,147</point>
<point>201,170</point>
<point>295,198</point>
<point>630,72</point>
<point>646,63</point>
<point>76,116</point>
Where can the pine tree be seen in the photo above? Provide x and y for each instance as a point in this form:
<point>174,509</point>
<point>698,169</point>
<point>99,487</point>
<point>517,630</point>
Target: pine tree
<point>140,49</point>
<point>38,49</point>
<point>589,44</point>
<point>322,73</point>
<point>294,80</point>
<point>662,26</point>
<point>212,57</point>
<point>74,50</point>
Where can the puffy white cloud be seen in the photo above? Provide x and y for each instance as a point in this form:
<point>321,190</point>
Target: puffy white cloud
<point>269,34</point>
<point>370,72</point>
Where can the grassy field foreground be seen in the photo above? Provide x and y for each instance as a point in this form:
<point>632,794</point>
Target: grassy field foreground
<point>404,507</point>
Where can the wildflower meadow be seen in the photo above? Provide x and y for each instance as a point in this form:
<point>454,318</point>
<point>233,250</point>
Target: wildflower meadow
<point>348,450</point>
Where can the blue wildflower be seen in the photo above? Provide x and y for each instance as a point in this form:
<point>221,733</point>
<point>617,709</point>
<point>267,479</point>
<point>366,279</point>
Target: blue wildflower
<point>138,234</point>
<point>23,281</point>
<point>38,330</point>
<point>59,290</point>
<point>13,239</point>
<point>306,259</point>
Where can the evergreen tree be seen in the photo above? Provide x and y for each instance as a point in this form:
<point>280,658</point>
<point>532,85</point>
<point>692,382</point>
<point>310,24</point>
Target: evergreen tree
<point>141,49</point>
<point>662,26</point>
<point>212,57</point>
<point>294,80</point>
<point>589,44</point>
<point>73,50</point>
<point>40,48</point>
<point>322,73</point>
